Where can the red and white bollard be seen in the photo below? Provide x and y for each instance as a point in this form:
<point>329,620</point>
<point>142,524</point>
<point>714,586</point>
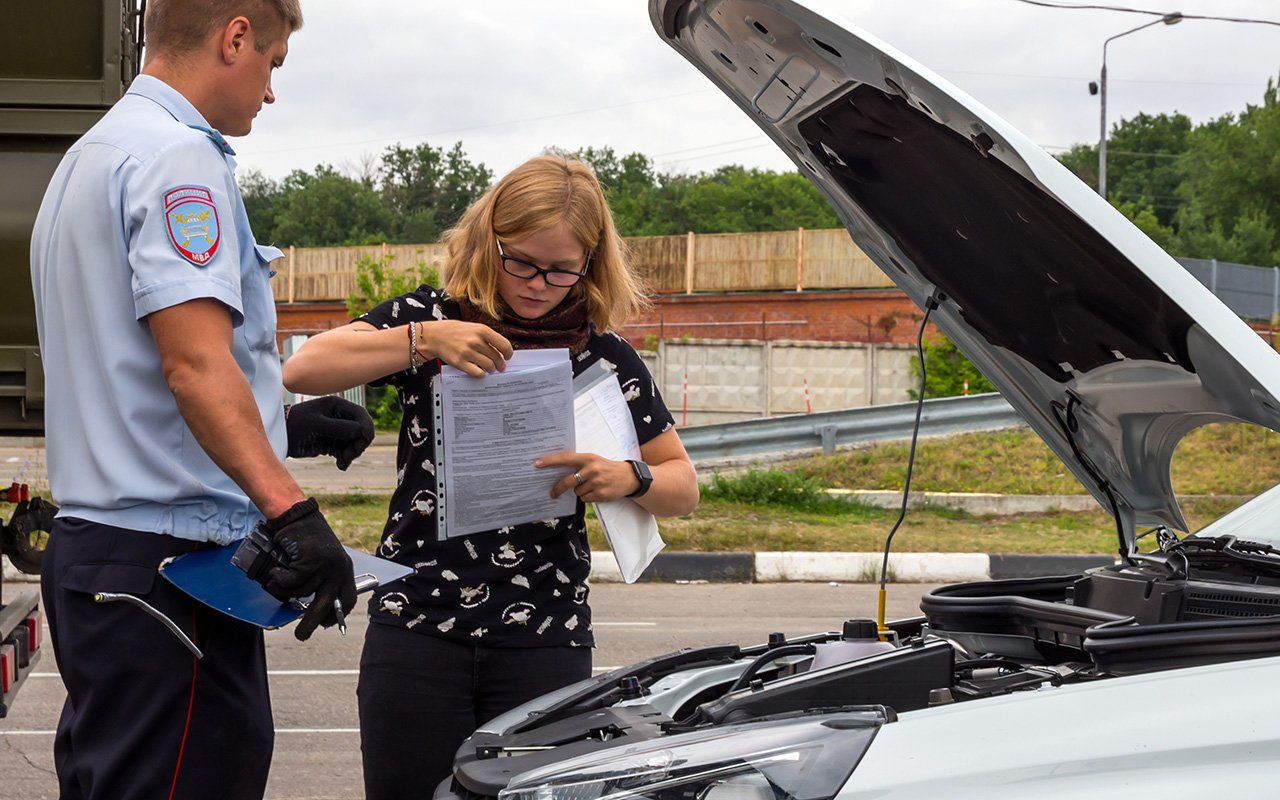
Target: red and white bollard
<point>966,387</point>
<point>684,403</point>
<point>808,408</point>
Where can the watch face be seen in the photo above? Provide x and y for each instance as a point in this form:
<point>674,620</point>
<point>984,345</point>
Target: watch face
<point>643,475</point>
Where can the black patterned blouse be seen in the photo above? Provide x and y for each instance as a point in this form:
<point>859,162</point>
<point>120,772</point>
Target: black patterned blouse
<point>517,586</point>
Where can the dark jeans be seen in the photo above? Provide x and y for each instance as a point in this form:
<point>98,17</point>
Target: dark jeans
<point>143,718</point>
<point>422,696</point>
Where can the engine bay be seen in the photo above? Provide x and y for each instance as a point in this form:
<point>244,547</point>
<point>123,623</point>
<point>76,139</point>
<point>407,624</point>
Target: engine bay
<point>1195,602</point>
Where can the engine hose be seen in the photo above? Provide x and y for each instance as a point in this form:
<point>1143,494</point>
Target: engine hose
<point>768,657</point>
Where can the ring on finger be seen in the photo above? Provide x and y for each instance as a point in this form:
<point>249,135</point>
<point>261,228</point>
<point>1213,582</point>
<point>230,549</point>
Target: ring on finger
<point>578,479</point>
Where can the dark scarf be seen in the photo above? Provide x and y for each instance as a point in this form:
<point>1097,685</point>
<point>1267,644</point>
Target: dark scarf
<point>566,325</point>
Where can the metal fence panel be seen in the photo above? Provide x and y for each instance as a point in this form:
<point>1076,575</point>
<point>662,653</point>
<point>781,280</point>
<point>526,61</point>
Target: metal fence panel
<point>1252,292</point>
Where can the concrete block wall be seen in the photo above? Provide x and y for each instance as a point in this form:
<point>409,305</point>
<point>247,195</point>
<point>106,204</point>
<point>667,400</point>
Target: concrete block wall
<point>730,380</point>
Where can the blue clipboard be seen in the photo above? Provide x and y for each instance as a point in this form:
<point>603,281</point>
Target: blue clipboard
<point>209,577</point>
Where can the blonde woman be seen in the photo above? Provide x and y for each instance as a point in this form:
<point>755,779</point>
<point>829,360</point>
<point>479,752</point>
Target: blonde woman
<point>491,620</point>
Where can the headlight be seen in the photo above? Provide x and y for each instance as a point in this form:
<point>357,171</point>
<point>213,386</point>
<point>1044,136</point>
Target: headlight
<point>798,758</point>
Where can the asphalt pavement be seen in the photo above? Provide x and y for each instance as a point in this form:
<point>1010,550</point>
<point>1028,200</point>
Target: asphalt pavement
<point>317,748</point>
<point>313,684</point>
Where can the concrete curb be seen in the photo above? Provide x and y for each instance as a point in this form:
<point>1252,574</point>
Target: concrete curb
<point>674,567</point>
<point>977,503</point>
<point>846,567</point>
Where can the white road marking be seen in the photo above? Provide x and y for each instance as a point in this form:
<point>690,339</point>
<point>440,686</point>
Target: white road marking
<point>290,673</point>
<point>278,730</point>
<point>271,673</point>
<point>304,672</point>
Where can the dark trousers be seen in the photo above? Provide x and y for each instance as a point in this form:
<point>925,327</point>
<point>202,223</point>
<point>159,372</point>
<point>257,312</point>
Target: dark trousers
<point>422,696</point>
<point>143,718</point>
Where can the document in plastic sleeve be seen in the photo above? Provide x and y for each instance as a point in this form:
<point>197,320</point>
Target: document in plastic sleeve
<point>604,426</point>
<point>489,430</point>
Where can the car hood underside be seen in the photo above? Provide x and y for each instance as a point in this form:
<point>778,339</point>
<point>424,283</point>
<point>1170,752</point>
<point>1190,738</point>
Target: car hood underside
<point>1106,345</point>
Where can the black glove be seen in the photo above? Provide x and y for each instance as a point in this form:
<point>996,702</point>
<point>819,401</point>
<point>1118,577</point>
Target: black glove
<point>316,564</point>
<point>328,426</point>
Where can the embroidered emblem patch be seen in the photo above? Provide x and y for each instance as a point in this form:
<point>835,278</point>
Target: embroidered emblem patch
<point>192,220</point>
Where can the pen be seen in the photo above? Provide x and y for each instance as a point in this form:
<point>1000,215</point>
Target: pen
<point>342,620</point>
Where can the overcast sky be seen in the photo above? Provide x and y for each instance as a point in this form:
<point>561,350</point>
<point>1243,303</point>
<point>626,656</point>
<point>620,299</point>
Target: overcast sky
<point>508,78</point>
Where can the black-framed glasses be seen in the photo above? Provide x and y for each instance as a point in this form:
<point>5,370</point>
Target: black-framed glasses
<point>520,268</point>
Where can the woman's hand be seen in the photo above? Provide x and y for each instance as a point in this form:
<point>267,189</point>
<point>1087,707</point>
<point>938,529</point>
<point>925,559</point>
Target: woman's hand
<point>673,492</point>
<point>471,347</point>
<point>594,479</point>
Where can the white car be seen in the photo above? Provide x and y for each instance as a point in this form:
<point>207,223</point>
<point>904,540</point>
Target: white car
<point>1155,677</point>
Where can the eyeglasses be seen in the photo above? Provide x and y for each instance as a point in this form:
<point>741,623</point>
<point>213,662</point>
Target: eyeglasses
<point>554,277</point>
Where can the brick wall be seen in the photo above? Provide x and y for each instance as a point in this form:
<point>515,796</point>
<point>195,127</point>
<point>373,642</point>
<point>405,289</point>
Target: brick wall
<point>879,316</point>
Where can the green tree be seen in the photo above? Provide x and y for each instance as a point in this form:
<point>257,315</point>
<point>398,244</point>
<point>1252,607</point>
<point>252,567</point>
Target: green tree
<point>629,184</point>
<point>426,189</point>
<point>1232,186</point>
<point>733,199</point>
<point>1082,159</point>
<point>377,281</point>
<point>946,370</point>
<point>1144,168</point>
<point>730,199</point>
<point>327,208</point>
<point>1249,239</point>
<point>1143,163</point>
<point>261,198</point>
<point>1146,221</point>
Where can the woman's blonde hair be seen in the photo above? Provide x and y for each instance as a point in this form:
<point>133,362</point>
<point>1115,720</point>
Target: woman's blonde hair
<point>541,193</point>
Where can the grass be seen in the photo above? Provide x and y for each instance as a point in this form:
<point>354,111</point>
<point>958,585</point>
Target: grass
<point>785,509</point>
<point>1227,459</point>
<point>725,526</point>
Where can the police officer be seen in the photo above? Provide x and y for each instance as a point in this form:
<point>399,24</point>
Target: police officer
<point>166,432</point>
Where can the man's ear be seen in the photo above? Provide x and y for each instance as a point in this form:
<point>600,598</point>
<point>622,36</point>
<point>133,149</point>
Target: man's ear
<point>237,38</point>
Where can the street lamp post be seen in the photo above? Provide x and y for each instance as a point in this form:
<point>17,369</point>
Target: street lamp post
<point>1100,88</point>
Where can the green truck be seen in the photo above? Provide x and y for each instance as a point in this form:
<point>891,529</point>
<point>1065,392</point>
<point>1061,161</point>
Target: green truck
<point>69,61</point>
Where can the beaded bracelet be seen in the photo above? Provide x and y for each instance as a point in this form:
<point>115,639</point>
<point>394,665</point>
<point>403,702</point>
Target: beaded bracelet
<point>413,348</point>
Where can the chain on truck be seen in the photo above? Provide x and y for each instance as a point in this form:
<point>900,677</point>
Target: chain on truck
<point>70,62</point>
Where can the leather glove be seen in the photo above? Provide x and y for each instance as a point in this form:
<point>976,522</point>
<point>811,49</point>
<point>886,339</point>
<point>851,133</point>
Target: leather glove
<point>316,564</point>
<point>328,426</point>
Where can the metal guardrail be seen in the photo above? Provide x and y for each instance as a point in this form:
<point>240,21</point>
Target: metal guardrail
<point>827,430</point>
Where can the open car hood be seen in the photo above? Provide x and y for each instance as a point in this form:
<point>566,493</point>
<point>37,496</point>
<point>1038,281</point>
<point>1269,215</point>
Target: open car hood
<point>1108,348</point>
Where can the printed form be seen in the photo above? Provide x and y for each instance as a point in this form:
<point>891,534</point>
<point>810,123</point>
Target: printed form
<point>493,429</point>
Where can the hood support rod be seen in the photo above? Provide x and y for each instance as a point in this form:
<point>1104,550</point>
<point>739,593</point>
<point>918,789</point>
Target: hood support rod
<point>1067,419</point>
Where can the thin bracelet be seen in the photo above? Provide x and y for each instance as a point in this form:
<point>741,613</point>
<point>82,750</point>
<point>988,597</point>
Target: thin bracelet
<point>413,349</point>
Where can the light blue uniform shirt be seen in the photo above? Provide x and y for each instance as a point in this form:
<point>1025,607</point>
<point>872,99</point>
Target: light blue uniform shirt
<point>143,214</point>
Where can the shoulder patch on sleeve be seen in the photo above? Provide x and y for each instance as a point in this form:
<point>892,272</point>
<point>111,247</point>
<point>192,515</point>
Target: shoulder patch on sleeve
<point>192,221</point>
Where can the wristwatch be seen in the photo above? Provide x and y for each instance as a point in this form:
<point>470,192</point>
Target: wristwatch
<point>643,475</point>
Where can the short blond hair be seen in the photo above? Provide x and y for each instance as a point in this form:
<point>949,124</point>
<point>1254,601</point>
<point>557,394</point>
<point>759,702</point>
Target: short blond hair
<point>180,26</point>
<point>539,194</point>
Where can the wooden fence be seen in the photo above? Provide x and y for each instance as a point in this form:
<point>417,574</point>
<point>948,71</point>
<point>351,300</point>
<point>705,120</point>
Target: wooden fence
<point>720,262</point>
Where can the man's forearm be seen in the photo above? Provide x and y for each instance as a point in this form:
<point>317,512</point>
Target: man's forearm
<point>218,407</point>
<point>194,340</point>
